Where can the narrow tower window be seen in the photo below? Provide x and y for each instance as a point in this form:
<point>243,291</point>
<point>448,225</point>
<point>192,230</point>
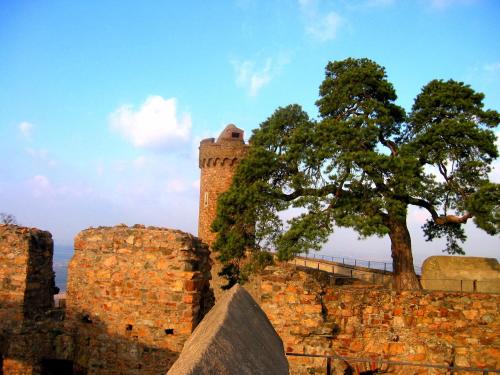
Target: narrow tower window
<point>235,135</point>
<point>205,199</point>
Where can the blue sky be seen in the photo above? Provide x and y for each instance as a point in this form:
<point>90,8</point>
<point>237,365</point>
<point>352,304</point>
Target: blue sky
<point>103,103</point>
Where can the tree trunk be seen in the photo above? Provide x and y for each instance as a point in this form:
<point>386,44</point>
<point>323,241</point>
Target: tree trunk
<point>404,277</point>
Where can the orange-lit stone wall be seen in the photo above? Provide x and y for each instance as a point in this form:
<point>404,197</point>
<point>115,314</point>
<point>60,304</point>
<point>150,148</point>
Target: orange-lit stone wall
<point>134,296</point>
<point>26,277</point>
<point>314,317</point>
<point>27,287</point>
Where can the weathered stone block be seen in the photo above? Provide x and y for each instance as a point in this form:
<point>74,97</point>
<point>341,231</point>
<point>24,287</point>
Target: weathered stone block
<point>461,273</point>
<point>234,338</point>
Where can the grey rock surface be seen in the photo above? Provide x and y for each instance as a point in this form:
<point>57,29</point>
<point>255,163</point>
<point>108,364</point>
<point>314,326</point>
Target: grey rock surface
<point>235,337</point>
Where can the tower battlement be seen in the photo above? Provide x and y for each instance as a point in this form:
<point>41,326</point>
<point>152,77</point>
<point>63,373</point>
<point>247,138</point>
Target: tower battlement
<point>227,150</point>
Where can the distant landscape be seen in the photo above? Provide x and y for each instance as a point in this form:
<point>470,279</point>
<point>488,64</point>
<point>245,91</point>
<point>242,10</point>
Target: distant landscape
<point>62,256</point>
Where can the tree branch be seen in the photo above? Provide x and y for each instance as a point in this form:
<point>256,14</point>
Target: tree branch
<point>389,144</point>
<point>328,189</point>
<point>439,219</point>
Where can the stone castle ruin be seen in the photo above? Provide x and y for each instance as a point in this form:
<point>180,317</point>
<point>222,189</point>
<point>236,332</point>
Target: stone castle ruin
<point>136,294</point>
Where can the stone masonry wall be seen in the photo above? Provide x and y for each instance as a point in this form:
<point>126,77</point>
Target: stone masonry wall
<point>27,321</point>
<point>314,317</point>
<point>134,297</point>
<point>26,276</point>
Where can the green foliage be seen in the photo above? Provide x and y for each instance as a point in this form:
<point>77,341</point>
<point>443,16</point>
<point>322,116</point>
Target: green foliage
<point>361,164</point>
<point>452,232</point>
<point>231,272</point>
<point>237,272</point>
<point>484,205</point>
<point>256,262</point>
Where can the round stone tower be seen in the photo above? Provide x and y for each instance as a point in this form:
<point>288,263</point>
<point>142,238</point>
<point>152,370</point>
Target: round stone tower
<point>218,161</point>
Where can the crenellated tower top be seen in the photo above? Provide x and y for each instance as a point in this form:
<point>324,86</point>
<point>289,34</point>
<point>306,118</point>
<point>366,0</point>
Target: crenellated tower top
<point>229,148</point>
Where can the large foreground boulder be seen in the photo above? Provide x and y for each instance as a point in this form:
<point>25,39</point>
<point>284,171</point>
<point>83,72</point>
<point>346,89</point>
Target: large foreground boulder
<point>235,337</point>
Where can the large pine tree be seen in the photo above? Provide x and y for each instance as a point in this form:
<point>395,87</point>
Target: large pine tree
<point>361,165</point>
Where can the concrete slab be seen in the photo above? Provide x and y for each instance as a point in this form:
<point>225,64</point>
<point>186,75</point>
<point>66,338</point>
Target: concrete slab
<point>459,273</point>
<point>235,337</point>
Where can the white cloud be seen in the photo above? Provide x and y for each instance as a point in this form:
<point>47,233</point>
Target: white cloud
<point>325,27</point>
<point>492,68</point>
<point>41,154</point>
<point>154,125</point>
<point>196,184</point>
<point>378,3</point>
<point>100,169</point>
<point>37,153</point>
<point>26,129</point>
<point>40,185</point>
<point>322,26</point>
<point>252,79</point>
<point>140,161</point>
<point>443,4</point>
<point>176,186</point>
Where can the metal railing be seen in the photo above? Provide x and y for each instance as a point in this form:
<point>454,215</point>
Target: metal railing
<point>374,272</point>
<point>462,285</point>
<point>354,262</point>
<point>378,265</point>
<point>339,271</point>
<point>376,364</point>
